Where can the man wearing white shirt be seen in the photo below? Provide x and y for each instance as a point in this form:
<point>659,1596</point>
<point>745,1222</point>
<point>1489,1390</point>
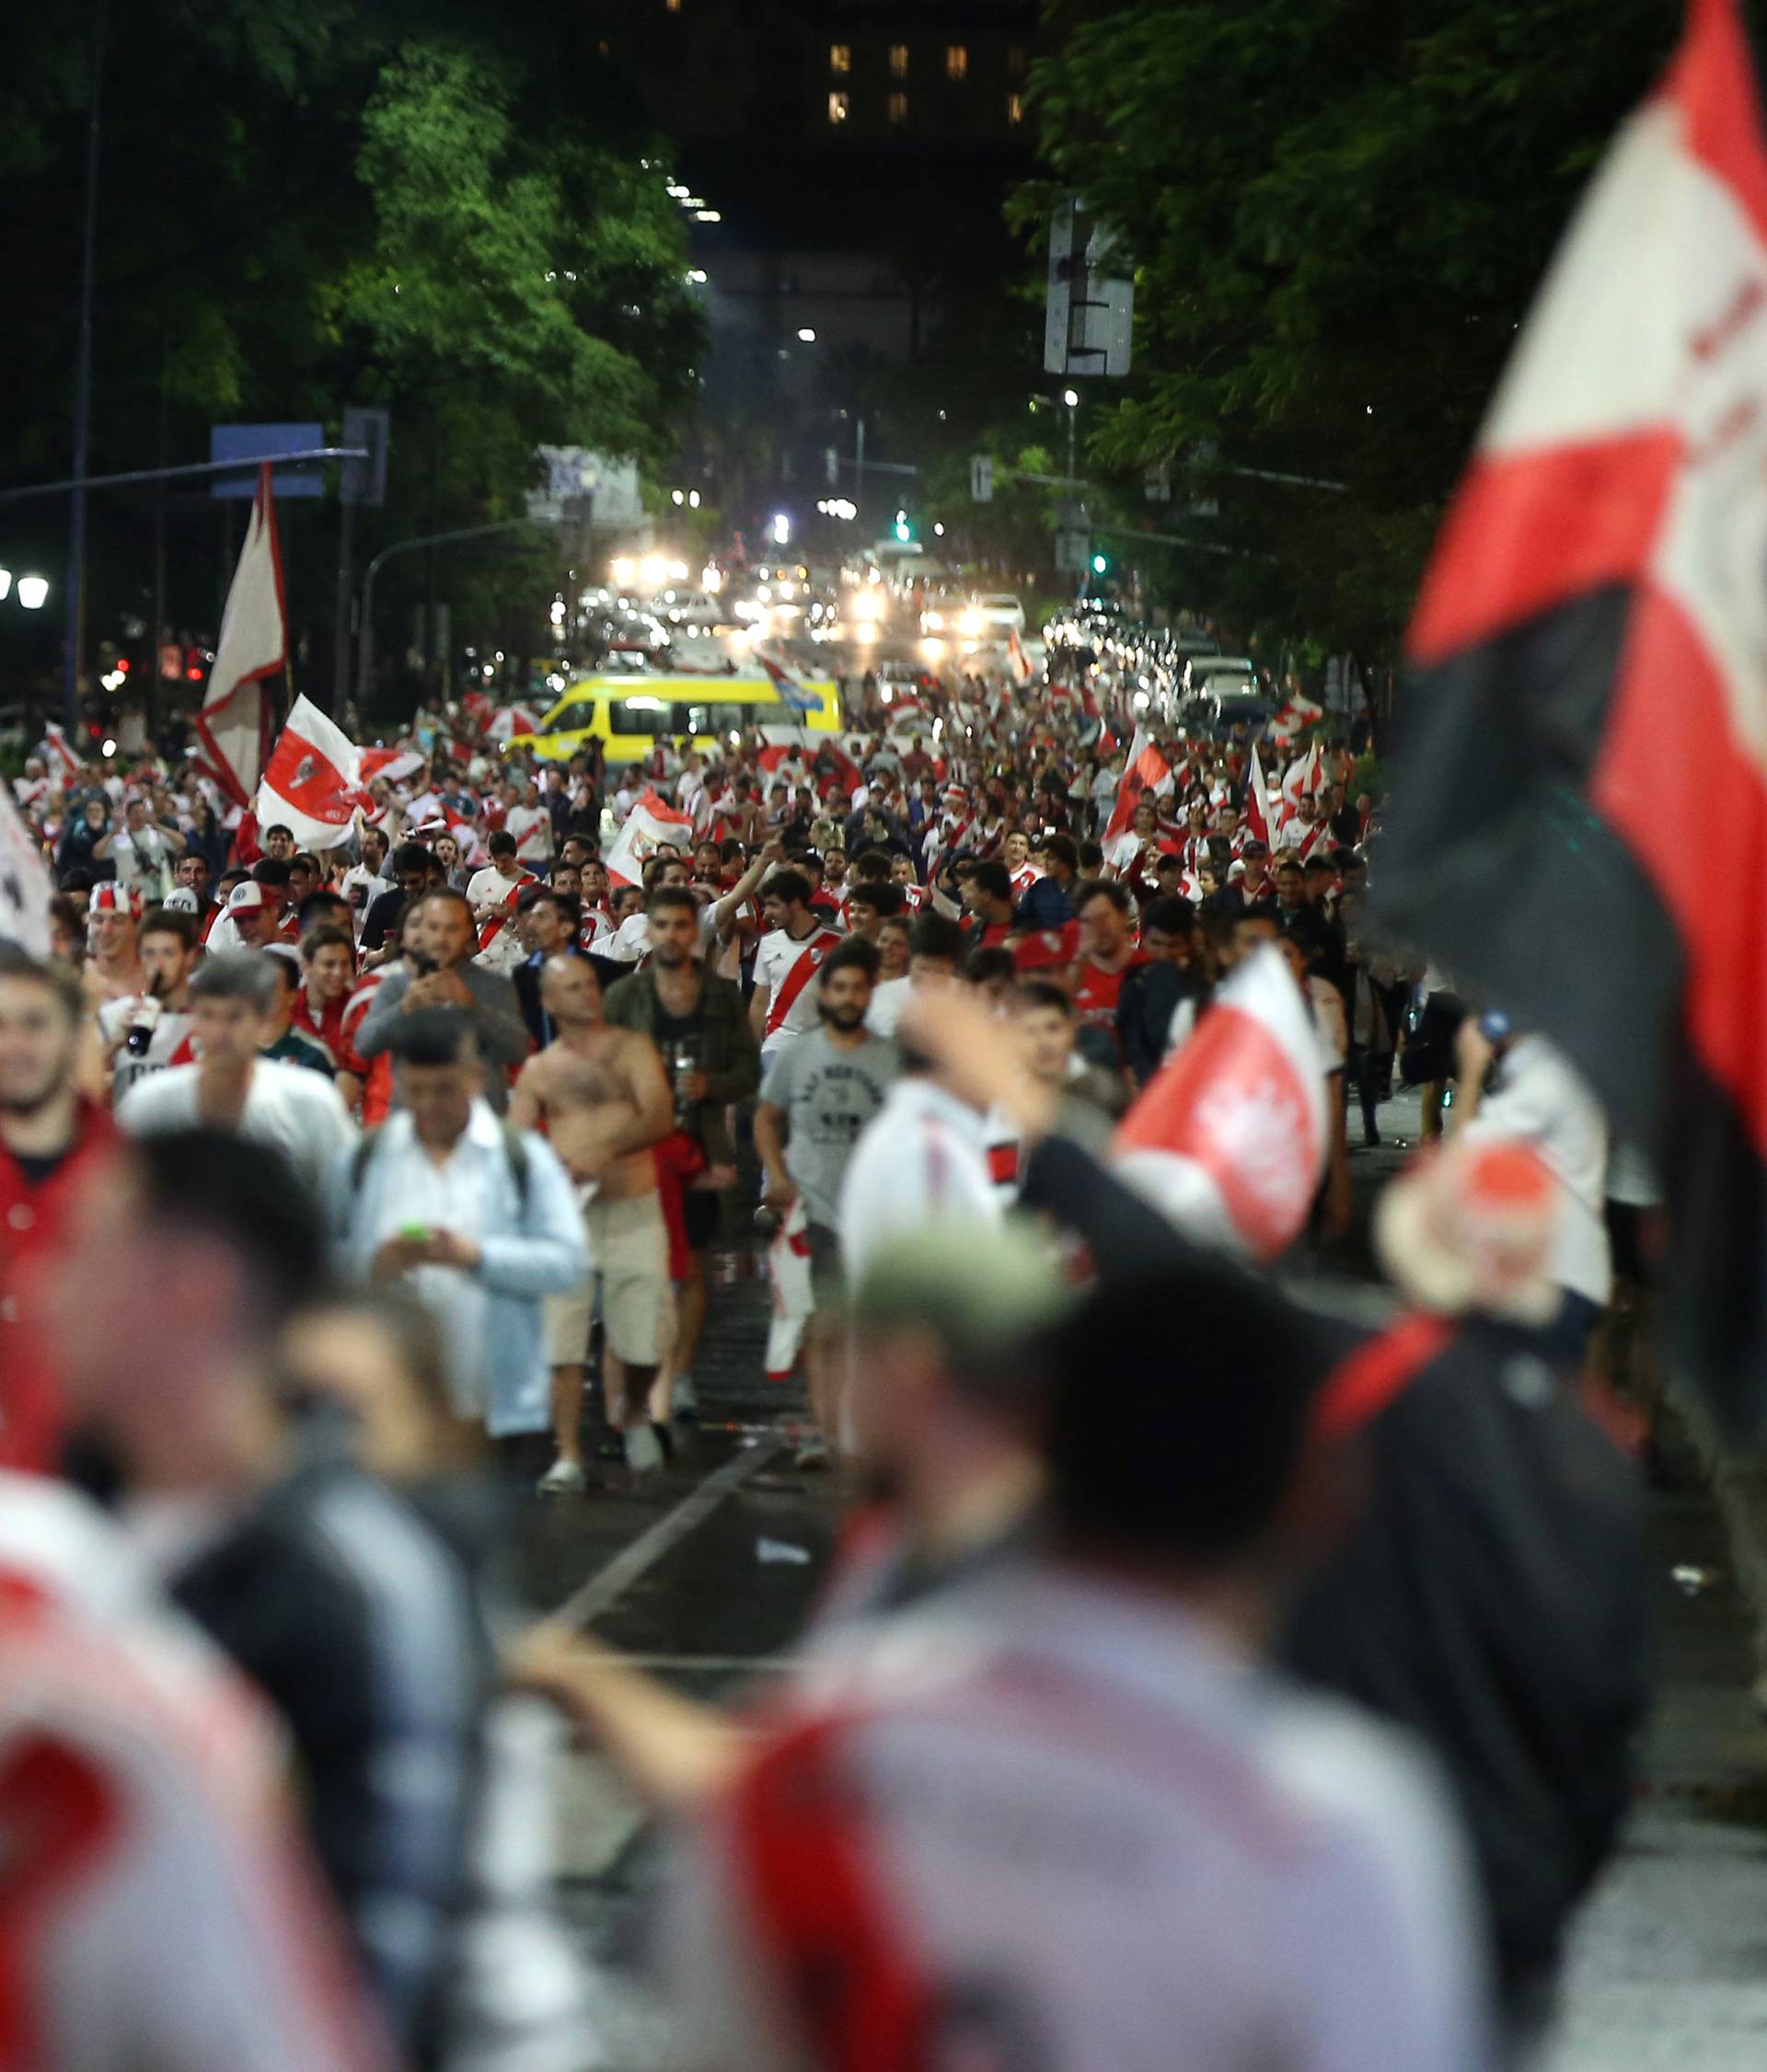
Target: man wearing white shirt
<point>1522,1086</point>
<point>925,1158</point>
<point>531,825</point>
<point>233,1008</point>
<point>935,950</point>
<point>493,891</point>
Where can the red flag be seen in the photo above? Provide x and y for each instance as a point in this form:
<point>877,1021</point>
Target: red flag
<point>1228,1136</point>
<point>312,784</point>
<point>1146,770</point>
<point>650,824</point>
<point>393,764</point>
<point>1579,823</point>
<point>253,645</point>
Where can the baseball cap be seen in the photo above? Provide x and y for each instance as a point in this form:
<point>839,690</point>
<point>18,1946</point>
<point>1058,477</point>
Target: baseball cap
<point>986,1290</point>
<point>245,897</point>
<point>181,900</point>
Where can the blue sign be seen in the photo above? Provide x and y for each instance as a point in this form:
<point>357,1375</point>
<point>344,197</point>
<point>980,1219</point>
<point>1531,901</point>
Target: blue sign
<point>259,442</point>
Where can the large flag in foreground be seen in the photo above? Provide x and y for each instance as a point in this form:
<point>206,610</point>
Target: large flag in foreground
<point>253,645</point>
<point>1229,1137</point>
<point>1580,822</point>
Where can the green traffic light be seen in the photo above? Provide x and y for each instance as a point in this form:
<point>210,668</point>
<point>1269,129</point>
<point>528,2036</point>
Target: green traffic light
<point>901,530</point>
<point>1099,564</point>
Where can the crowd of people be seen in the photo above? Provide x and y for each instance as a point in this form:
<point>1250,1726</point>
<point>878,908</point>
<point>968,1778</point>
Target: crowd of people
<point>1211,1682</point>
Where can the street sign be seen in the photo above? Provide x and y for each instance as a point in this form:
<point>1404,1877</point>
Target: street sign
<point>262,442</point>
<point>365,482</point>
<point>1073,553</point>
<point>981,478</point>
<point>1089,313</point>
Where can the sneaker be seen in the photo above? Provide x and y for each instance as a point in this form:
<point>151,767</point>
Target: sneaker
<point>684,1406</point>
<point>643,1453</point>
<point>564,1478</point>
<point>812,1453</point>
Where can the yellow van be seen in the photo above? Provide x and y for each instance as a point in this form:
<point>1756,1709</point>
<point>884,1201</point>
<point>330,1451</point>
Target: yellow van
<point>627,714</point>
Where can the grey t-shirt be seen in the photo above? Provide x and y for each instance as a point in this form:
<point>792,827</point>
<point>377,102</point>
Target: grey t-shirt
<point>828,1096</point>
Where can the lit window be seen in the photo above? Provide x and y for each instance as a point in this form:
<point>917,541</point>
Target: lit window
<point>1015,62</point>
<point>840,57</point>
<point>671,7</point>
<point>840,107</point>
<point>956,60</point>
<point>898,60</point>
<point>898,107</point>
<point>1014,108</point>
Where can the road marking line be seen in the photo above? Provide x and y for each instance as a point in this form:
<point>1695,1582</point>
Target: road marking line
<point>610,1583</point>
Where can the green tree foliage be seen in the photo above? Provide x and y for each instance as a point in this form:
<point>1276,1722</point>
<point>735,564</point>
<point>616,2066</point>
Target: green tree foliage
<point>1337,212</point>
<point>442,206</point>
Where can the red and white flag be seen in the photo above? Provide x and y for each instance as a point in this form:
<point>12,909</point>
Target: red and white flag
<point>1146,770</point>
<point>1579,825</point>
<point>64,764</point>
<point>312,784</point>
<point>649,825</point>
<point>508,720</point>
<point>1017,660</point>
<point>395,765</point>
<point>1229,1137</point>
<point>253,645</point>
<point>1305,778</point>
<point>1295,716</point>
<point>1259,821</point>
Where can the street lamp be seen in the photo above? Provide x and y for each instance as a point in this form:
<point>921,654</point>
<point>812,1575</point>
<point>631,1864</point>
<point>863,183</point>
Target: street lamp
<point>1072,398</point>
<point>806,336</point>
<point>33,593</point>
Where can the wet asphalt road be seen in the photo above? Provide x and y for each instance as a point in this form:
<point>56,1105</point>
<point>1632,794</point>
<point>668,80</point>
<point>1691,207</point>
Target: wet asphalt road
<point>1669,1964</point>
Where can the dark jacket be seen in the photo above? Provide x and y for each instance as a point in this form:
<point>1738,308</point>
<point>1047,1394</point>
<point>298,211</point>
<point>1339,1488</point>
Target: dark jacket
<point>732,1061</point>
<point>1490,1595</point>
<point>1045,905</point>
<point>1145,1006</point>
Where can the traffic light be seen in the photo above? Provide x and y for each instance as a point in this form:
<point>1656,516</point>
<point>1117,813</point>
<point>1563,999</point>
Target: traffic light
<point>1100,563</point>
<point>902,532</point>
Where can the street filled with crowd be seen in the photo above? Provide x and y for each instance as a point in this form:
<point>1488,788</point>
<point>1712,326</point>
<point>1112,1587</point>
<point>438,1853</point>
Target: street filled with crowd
<point>1205,1680</point>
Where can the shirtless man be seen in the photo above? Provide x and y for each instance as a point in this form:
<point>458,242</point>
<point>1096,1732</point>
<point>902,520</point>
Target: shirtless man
<point>113,970</point>
<point>604,1097</point>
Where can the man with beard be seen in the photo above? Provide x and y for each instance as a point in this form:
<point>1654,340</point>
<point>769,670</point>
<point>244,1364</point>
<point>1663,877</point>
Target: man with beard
<point>151,1029</point>
<point>49,1137</point>
<point>818,1096</point>
<point>696,1021</point>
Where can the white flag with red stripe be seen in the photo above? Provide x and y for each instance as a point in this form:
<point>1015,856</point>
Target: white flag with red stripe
<point>1258,817</point>
<point>395,765</point>
<point>1305,778</point>
<point>253,645</point>
<point>649,825</point>
<point>26,886</point>
<point>1229,1137</point>
<point>312,784</point>
<point>65,765</point>
<point>1295,716</point>
<point>1146,770</point>
<point>509,720</point>
<point>1017,660</point>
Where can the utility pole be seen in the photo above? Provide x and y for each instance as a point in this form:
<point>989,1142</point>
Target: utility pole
<point>859,461</point>
<point>73,645</point>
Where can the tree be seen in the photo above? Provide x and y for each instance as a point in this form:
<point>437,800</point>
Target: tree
<point>1337,212</point>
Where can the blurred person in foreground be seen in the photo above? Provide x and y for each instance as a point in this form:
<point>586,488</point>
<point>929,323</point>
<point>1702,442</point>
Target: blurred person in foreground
<point>160,1908</point>
<point>474,1214</point>
<point>1490,1592</point>
<point>237,1004</point>
<point>52,1138</point>
<point>1060,1813</point>
<point>331,1595</point>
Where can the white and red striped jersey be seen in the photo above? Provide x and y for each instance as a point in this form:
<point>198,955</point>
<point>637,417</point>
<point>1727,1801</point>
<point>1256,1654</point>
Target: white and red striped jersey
<point>1044,1821</point>
<point>160,1909</point>
<point>1024,878</point>
<point>787,968</point>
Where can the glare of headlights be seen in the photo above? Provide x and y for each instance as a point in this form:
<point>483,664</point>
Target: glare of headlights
<point>623,570</point>
<point>971,622</point>
<point>932,650</point>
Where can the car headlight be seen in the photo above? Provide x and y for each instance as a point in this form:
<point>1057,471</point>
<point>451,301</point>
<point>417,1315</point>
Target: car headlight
<point>935,622</point>
<point>971,624</point>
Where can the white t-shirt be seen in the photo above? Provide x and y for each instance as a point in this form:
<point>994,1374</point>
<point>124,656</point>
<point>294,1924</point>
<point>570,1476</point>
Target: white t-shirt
<point>489,887</point>
<point>296,1110</point>
<point>142,860</point>
<point>925,1158</point>
<point>1540,1098</point>
<point>889,1004</point>
<point>532,827</point>
<point>361,887</point>
<point>170,1045</point>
